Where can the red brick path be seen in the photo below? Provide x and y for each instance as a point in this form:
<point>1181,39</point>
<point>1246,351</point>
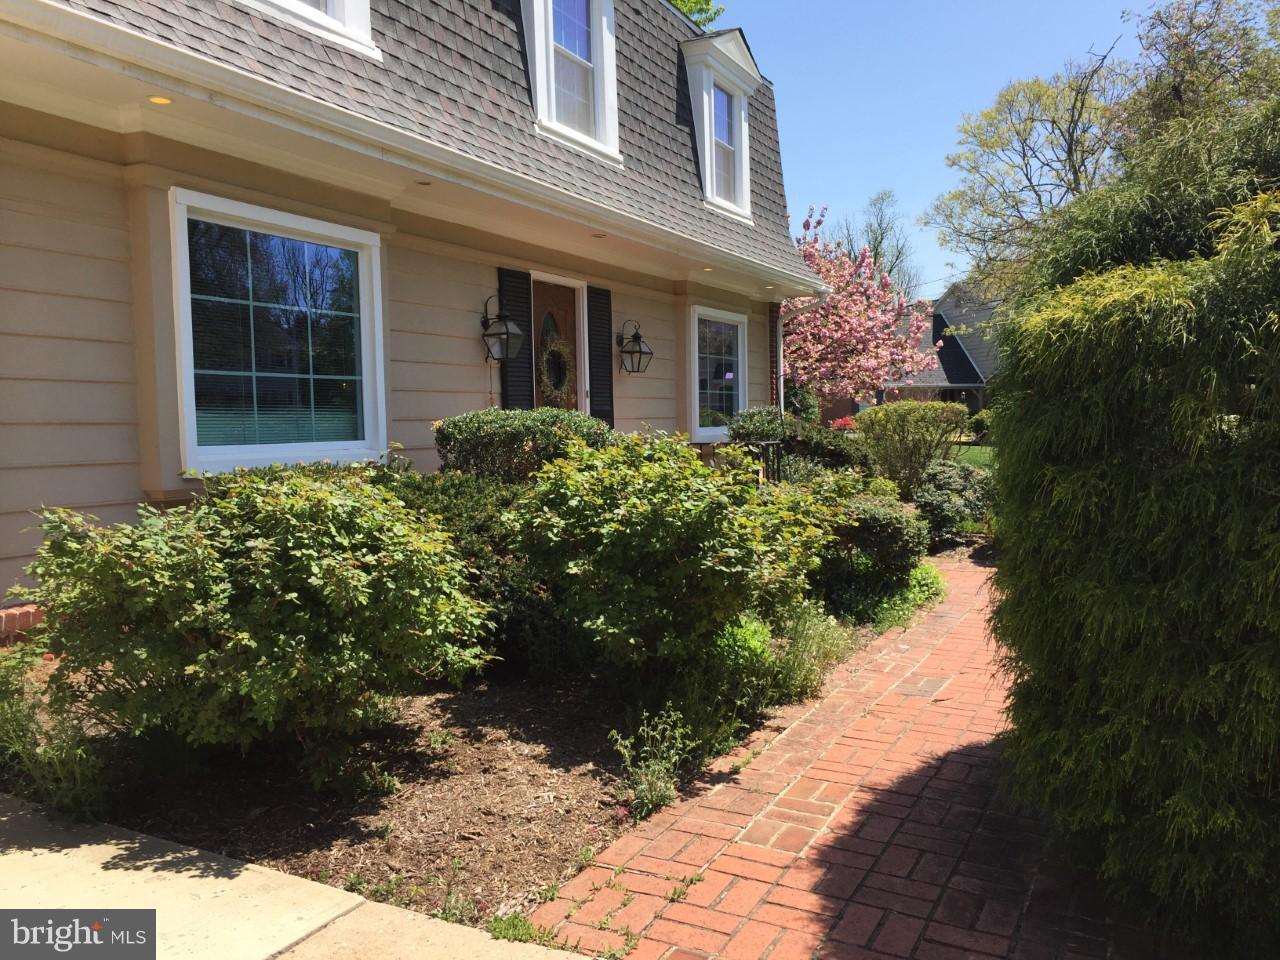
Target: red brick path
<point>866,827</point>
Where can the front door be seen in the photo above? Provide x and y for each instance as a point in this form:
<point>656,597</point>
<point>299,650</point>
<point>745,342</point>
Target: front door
<point>556,377</point>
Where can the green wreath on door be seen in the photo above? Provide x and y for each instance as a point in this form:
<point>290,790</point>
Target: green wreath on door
<point>556,383</point>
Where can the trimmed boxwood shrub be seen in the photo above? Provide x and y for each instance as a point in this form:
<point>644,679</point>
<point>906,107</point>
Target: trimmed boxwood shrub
<point>954,497</point>
<point>905,436</point>
<point>802,439</point>
<point>1140,535</point>
<point>281,605</point>
<point>510,445</point>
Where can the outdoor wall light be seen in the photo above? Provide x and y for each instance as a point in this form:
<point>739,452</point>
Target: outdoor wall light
<point>502,337</point>
<point>633,353</point>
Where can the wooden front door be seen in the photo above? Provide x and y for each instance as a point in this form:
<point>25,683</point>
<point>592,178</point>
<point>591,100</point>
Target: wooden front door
<point>555,346</point>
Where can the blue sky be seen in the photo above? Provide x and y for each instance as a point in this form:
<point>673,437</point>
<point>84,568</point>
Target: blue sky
<point>869,94</point>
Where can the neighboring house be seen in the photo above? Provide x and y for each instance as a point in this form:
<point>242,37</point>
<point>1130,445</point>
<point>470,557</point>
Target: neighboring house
<point>966,358</point>
<point>235,232</point>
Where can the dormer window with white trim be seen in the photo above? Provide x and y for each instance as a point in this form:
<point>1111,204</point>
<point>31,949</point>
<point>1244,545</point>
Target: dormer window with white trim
<point>722,77</point>
<point>341,21</point>
<point>724,170</point>
<point>572,67</point>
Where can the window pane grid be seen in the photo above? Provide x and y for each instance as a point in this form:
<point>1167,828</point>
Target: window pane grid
<point>303,382</point>
<point>718,385</point>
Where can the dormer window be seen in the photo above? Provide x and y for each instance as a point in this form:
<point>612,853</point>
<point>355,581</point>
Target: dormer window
<point>572,69</point>
<point>722,78</point>
<point>341,21</point>
<point>725,167</point>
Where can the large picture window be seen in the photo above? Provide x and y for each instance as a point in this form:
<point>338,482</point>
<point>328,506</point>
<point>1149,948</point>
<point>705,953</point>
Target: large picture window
<point>278,329</point>
<point>719,355</point>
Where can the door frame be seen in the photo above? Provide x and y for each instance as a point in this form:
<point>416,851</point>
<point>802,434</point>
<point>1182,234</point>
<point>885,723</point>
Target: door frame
<point>582,359</point>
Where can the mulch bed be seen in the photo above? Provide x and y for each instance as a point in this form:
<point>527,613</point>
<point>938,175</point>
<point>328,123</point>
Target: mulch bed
<point>506,789</point>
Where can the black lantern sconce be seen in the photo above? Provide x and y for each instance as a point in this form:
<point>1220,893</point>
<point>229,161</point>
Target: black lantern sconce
<point>633,353</point>
<point>502,337</point>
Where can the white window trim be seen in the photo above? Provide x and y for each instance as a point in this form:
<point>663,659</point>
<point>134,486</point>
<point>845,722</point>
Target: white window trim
<point>346,22</point>
<point>706,70</point>
<point>540,47</point>
<point>700,434</point>
<point>188,203</point>
<point>580,334</point>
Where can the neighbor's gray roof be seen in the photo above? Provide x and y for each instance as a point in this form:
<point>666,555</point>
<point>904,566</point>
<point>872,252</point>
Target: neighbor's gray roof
<point>453,72</point>
<point>976,330</point>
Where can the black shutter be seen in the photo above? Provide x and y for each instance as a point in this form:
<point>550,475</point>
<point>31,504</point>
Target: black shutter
<point>515,299</point>
<point>600,352</point>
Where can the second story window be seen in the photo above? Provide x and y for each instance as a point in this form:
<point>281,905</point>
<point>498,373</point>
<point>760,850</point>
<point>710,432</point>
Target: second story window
<point>572,69</point>
<point>722,77</point>
<point>574,75</point>
<point>725,161</point>
<point>341,21</point>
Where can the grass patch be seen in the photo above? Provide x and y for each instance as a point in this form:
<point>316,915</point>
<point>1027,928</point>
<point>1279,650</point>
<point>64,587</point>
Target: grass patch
<point>520,929</point>
<point>978,456</point>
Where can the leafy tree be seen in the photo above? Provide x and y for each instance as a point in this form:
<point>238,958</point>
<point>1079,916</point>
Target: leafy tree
<point>864,334</point>
<point>1043,142</point>
<point>1200,57</point>
<point>701,12</point>
<point>882,231</point>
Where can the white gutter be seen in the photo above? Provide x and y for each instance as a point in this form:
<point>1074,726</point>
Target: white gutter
<point>149,59</point>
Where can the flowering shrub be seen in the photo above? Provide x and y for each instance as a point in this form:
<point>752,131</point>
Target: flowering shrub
<point>865,334</point>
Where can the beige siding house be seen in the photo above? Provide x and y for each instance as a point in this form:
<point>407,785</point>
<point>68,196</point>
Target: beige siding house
<point>259,231</point>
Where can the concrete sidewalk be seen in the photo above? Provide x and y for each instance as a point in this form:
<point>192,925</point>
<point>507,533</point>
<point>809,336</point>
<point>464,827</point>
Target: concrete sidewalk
<point>213,908</point>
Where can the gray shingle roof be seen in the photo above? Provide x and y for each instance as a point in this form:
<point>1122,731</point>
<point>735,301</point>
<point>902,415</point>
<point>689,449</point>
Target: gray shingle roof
<point>453,72</point>
<point>976,331</point>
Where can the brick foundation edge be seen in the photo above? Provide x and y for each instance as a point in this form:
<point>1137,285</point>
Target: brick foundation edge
<point>15,620</point>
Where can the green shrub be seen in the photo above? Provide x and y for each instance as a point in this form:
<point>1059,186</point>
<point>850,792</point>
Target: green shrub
<point>283,605</point>
<point>511,445</point>
<point>801,403</point>
<point>802,438</point>
<point>1140,536</point>
<point>475,512</point>
<point>905,436</point>
<point>884,609</point>
<point>954,497</point>
<point>980,424</point>
<point>811,644</point>
<point>45,755</point>
<point>651,551</point>
<point>651,760</point>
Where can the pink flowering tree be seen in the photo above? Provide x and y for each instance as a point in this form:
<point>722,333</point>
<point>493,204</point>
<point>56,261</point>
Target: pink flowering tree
<point>864,335</point>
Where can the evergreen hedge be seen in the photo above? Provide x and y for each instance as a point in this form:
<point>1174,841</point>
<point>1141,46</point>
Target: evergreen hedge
<point>1139,581</point>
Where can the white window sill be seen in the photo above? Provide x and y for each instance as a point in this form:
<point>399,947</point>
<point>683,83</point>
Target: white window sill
<point>227,459</point>
<point>572,138</point>
<point>729,210</point>
<point>313,21</point>
<point>710,435</point>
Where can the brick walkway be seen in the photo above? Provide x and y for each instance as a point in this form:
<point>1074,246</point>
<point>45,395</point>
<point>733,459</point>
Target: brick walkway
<point>864,825</point>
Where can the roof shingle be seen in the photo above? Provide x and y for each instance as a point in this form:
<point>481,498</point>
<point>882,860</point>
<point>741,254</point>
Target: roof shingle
<point>454,74</point>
